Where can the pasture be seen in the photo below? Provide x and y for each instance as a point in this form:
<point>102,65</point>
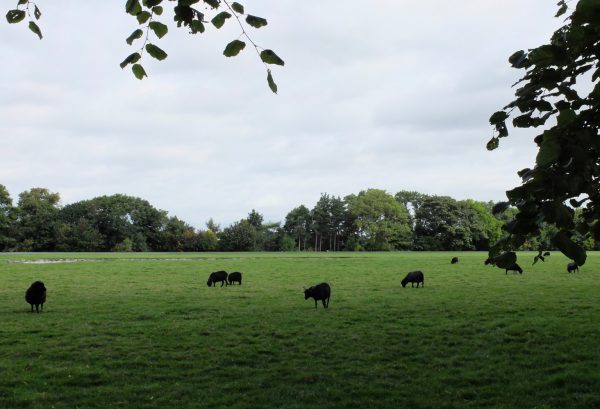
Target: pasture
<point>145,331</point>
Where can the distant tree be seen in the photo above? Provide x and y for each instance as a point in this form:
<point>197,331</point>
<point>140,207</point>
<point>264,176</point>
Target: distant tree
<point>255,219</point>
<point>7,215</point>
<point>272,237</point>
<point>337,231</point>
<point>80,235</point>
<point>37,220</point>
<point>212,226</point>
<point>379,221</point>
<point>208,241</point>
<point>195,19</point>
<point>442,224</point>
<point>321,221</point>
<point>174,234</point>
<point>412,200</point>
<point>485,228</point>
<point>560,83</point>
<point>297,225</point>
<point>119,217</point>
<point>240,236</point>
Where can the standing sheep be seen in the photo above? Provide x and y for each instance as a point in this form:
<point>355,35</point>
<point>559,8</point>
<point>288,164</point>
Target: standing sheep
<point>217,276</point>
<point>319,292</point>
<point>412,278</point>
<point>236,276</point>
<point>36,295</point>
<point>572,267</point>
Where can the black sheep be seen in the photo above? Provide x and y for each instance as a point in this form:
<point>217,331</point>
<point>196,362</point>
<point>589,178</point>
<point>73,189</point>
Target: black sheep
<point>36,295</point>
<point>547,253</point>
<point>572,267</point>
<point>412,278</point>
<point>319,292</point>
<point>217,276</point>
<point>236,276</point>
<point>514,267</point>
<point>454,260</point>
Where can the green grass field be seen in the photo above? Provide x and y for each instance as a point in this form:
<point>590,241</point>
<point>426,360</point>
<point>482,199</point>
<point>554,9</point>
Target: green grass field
<point>144,331</point>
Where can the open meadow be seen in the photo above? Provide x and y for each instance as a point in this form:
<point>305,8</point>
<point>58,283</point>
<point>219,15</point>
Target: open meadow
<point>144,331</point>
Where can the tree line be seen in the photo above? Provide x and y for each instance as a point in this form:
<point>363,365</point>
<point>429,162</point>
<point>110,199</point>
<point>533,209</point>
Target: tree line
<point>372,220</point>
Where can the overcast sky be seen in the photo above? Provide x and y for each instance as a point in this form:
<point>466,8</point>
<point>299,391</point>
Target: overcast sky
<point>388,94</point>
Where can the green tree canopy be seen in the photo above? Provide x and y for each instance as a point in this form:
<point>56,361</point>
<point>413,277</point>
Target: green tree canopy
<point>380,221</point>
<point>7,214</point>
<point>240,236</point>
<point>37,219</point>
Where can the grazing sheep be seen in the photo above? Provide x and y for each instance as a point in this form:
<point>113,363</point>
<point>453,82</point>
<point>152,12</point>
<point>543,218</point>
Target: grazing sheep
<point>572,267</point>
<point>487,261</point>
<point>319,292</point>
<point>412,278</point>
<point>454,260</point>
<point>547,253</point>
<point>217,276</point>
<point>515,267</point>
<point>236,276</point>
<point>36,295</point>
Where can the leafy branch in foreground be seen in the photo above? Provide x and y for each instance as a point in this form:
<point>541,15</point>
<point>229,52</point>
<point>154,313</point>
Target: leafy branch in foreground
<point>23,10</point>
<point>184,15</point>
<point>566,175</point>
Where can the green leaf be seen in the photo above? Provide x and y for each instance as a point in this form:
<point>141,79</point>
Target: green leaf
<point>563,8</point>
<point>134,36</point>
<point>183,14</point>
<point>517,59</point>
<point>569,248</point>
<point>566,117</point>
<point>197,27</point>
<point>271,83</point>
<point>158,10</point>
<point>213,3</point>
<point>233,48</point>
<point>37,13</point>
<point>187,2</point>
<point>138,71</point>
<point>14,16</point>
<point>152,3</point>
<point>237,7</point>
<point>34,27</point>
<point>492,144</point>
<point>220,18</point>
<point>143,16</point>
<point>549,150</point>
<point>159,28</point>
<point>498,117</point>
<point>269,57</point>
<point>500,207</point>
<point>21,2</point>
<point>256,22</point>
<point>133,7</point>
<point>131,59</point>
<point>156,52</point>
<point>542,56</point>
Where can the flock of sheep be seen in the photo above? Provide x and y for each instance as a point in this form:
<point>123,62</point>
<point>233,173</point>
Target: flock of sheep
<point>36,293</point>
